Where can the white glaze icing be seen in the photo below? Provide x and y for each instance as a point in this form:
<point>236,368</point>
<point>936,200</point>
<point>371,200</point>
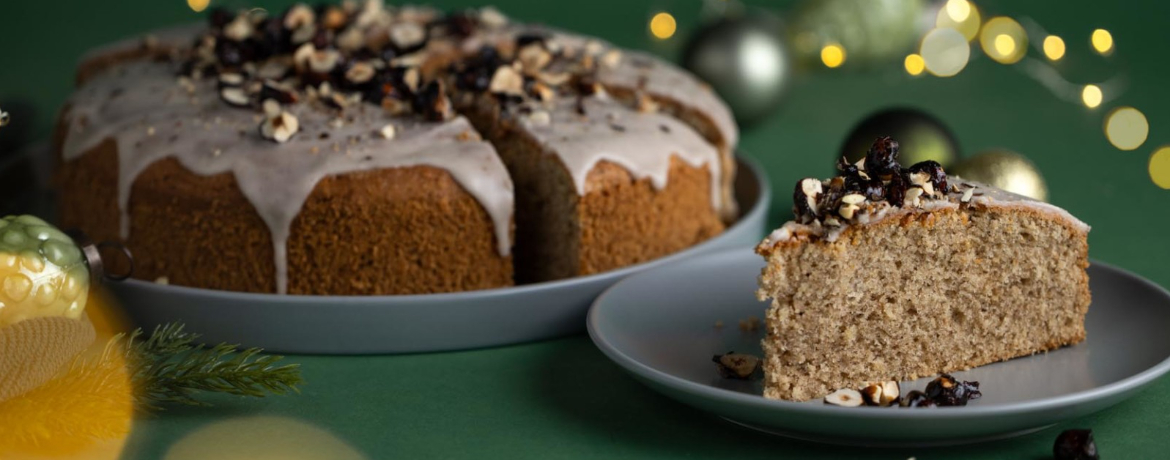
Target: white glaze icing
<point>642,143</point>
<point>141,107</point>
<point>988,196</point>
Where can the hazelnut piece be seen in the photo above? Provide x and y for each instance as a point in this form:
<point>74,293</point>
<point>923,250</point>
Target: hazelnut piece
<point>845,397</point>
<point>804,199</point>
<point>734,365</point>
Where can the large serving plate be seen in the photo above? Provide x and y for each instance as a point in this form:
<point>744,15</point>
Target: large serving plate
<point>660,326</point>
<point>413,323</point>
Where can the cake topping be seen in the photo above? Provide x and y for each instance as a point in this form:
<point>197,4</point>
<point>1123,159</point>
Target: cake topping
<point>845,397</point>
<point>881,394</point>
<point>877,181</point>
<point>734,365</point>
<point>947,391</point>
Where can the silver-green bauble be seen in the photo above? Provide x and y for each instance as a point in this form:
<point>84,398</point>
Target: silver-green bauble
<point>873,32</point>
<point>744,59</point>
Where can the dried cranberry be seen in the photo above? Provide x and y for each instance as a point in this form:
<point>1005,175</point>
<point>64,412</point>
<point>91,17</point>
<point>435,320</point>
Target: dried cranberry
<point>322,39</point>
<point>916,399</point>
<point>219,17</point>
<point>947,391</point>
<point>882,159</point>
<point>231,53</point>
<point>896,190</point>
<point>273,38</point>
<point>529,38</point>
<point>460,24</point>
<point>938,177</point>
<point>1075,445</point>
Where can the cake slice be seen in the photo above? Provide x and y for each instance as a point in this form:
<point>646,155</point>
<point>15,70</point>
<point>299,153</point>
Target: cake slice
<point>891,273</point>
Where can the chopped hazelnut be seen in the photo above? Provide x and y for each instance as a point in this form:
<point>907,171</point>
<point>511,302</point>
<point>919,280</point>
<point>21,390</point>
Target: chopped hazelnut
<point>235,96</point>
<point>411,78</point>
<point>611,59</point>
<point>323,61</point>
<point>847,210</point>
<point>387,132</point>
<point>845,397</point>
<point>298,16</point>
<point>407,35</point>
<point>280,128</point>
<point>352,39</point>
<point>853,198</point>
<point>967,194</point>
<point>302,56</point>
<point>507,81</point>
<point>231,79</point>
<point>533,57</point>
<point>239,29</point>
<point>492,18</point>
<point>335,18</point>
<point>539,118</point>
<point>304,34</point>
<point>646,104</point>
<point>554,79</point>
<point>271,108</point>
<point>912,196</point>
<point>360,72</point>
<point>736,365</point>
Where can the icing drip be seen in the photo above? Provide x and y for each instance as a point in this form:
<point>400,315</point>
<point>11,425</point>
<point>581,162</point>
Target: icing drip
<point>140,106</point>
<point>642,143</point>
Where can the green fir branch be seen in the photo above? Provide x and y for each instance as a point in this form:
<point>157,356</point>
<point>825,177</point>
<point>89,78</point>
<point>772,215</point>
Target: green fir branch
<point>169,368</point>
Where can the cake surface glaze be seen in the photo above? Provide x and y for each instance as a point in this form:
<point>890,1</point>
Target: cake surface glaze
<point>285,113</point>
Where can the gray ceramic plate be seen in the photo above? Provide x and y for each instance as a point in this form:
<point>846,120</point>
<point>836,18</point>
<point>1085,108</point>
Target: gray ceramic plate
<point>660,326</point>
<point>413,323</point>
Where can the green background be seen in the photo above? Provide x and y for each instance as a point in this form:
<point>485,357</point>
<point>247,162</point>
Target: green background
<point>562,398</point>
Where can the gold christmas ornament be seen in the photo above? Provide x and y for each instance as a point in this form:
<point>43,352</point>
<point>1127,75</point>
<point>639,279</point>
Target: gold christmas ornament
<point>1003,169</point>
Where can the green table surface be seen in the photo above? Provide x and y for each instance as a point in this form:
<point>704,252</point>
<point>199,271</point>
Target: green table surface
<point>562,398</point>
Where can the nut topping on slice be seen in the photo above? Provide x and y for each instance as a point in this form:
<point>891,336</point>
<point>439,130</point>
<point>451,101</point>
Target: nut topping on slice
<point>387,132</point>
<point>407,35</point>
<point>235,96</point>
<point>845,397</point>
<point>805,198</point>
<point>507,81</point>
<point>360,72</point>
<point>533,58</point>
<point>239,29</point>
<point>881,394</point>
<point>299,16</point>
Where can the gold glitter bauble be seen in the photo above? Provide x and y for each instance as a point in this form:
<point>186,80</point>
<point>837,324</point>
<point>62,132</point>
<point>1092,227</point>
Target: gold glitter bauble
<point>1003,169</point>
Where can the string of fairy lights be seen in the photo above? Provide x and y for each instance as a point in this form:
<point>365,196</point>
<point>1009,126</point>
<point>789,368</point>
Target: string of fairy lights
<point>946,49</point>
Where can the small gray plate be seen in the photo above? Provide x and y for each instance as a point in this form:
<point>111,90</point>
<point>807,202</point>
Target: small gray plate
<point>660,326</point>
<point>413,323</point>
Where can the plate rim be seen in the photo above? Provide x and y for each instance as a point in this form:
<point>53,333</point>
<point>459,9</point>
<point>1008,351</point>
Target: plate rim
<point>644,371</point>
<point>761,206</point>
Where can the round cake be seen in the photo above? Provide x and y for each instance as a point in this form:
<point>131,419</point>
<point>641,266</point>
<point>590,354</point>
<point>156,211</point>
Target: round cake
<point>358,149</point>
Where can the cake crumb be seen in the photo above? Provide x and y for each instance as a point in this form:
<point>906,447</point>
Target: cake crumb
<point>162,280</point>
<point>751,324</point>
<point>719,324</point>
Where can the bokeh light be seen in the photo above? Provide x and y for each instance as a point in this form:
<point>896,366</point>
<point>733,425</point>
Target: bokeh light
<point>198,5</point>
<point>1004,40</point>
<point>945,52</point>
<point>662,25</point>
<point>1102,41</point>
<point>833,55</point>
<point>1091,96</point>
<point>960,15</point>
<point>1160,167</point>
<point>1126,128</point>
<point>914,64</point>
<point>1053,47</point>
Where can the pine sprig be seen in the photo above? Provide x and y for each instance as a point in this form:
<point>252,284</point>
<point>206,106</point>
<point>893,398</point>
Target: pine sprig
<point>169,368</point>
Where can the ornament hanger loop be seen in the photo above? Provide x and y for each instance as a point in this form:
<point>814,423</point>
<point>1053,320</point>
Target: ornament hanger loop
<point>93,258</point>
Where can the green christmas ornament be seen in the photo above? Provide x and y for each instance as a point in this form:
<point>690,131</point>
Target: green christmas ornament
<point>872,32</point>
<point>1003,169</point>
<point>921,137</point>
<point>43,272</point>
<point>744,59</point>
